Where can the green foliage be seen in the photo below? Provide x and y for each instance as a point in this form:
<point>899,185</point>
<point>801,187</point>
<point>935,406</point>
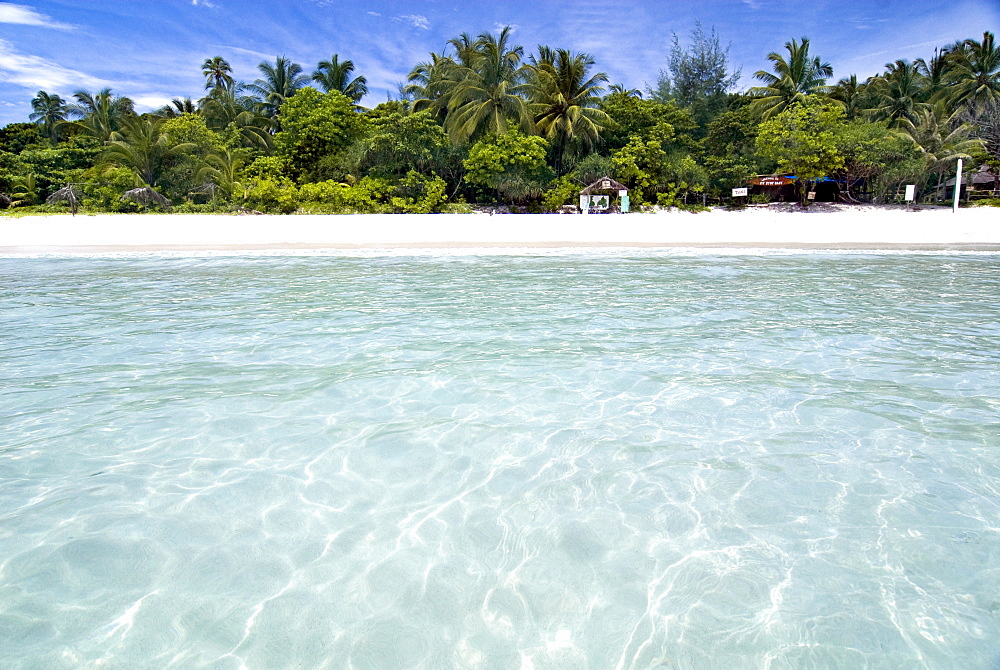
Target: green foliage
<point>592,168</point>
<point>871,151</point>
<point>804,140</point>
<point>562,191</point>
<point>398,143</point>
<point>181,174</point>
<point>512,164</point>
<point>418,194</point>
<point>268,167</point>
<point>316,128</point>
<point>631,118</point>
<point>272,196</point>
<point>986,202</point>
<point>16,137</point>
<point>698,76</point>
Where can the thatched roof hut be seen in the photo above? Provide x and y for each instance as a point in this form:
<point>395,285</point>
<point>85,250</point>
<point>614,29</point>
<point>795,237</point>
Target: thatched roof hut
<point>604,184</point>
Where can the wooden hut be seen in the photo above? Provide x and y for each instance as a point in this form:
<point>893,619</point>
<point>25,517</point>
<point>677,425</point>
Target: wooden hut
<point>603,196</point>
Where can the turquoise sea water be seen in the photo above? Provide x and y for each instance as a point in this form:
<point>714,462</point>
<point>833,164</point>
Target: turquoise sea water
<point>501,461</point>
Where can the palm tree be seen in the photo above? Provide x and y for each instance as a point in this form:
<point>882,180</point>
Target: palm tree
<point>898,93</point>
<point>941,138</point>
<point>564,100</point>
<point>485,96</point>
<point>102,113</point>
<point>218,73</point>
<point>280,81</point>
<point>622,89</point>
<point>849,93</point>
<point>223,107</point>
<point>177,107</point>
<point>143,148</point>
<point>49,112</point>
<point>222,170</point>
<point>936,71</point>
<point>333,75</point>
<point>976,69</point>
<point>792,81</point>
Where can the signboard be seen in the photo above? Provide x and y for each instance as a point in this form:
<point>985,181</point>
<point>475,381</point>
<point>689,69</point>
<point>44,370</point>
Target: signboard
<point>606,184</point>
<point>599,202</point>
<point>771,180</point>
<point>911,192</point>
<point>737,192</point>
<point>811,195</point>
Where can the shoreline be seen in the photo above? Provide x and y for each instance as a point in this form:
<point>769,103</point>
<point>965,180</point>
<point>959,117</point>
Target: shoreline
<point>827,228</point>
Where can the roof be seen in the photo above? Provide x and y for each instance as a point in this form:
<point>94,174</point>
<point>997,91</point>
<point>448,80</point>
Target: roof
<point>604,184</point>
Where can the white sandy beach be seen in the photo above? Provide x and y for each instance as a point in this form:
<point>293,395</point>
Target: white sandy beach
<point>822,227</point>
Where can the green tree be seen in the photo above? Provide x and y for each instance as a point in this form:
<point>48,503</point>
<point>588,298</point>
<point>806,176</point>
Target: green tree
<point>898,94</point>
<point>49,112</point>
<point>145,149</point>
<point>225,108</point>
<point>804,140</point>
<point>177,107</point>
<point>316,129</point>
<point>101,114</point>
<point>335,75</point>
<point>793,80</point>
<point>976,73</point>
<point>871,151</point>
<point>486,96</point>
<point>565,101</point>
<point>279,82</point>
<point>631,117</point>
<point>698,76</point>
<point>217,72</point>
<point>512,164</point>
<point>852,95</point>
<point>397,143</point>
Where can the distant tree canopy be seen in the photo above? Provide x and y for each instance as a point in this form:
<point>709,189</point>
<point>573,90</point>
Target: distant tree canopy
<point>485,120</point>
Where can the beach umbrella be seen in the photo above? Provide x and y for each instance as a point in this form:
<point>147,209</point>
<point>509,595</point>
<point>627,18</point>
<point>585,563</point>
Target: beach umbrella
<point>66,194</point>
<point>145,196</point>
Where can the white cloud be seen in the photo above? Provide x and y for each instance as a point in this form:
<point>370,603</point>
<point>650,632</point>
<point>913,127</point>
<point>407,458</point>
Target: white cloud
<point>40,73</point>
<point>203,3</point>
<point>150,101</point>
<point>373,14</point>
<point>416,20</point>
<point>27,16</point>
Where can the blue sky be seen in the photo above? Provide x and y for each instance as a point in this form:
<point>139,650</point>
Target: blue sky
<point>152,50</point>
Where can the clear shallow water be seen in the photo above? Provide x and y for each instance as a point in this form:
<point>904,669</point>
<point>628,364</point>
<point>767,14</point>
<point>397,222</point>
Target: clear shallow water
<point>563,461</point>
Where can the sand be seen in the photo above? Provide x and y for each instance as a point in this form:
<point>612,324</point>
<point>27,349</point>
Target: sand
<point>785,226</point>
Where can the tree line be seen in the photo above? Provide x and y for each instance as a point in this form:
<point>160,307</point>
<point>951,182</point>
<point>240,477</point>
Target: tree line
<point>482,121</point>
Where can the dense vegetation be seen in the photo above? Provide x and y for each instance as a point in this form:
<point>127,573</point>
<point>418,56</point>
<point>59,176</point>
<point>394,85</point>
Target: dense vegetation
<point>482,122</point>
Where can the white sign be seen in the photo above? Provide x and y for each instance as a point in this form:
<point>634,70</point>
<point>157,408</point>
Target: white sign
<point>737,192</point>
<point>811,195</point>
<point>599,202</point>
<point>911,192</point>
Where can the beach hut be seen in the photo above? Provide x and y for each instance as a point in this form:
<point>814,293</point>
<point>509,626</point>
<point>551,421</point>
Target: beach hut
<point>777,187</point>
<point>601,196</point>
<point>980,184</point>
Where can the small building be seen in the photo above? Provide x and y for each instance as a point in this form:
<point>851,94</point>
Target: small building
<point>975,186</point>
<point>604,196</point>
<point>786,188</point>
